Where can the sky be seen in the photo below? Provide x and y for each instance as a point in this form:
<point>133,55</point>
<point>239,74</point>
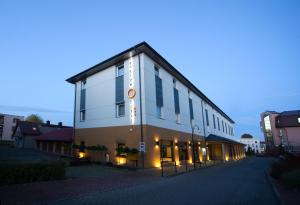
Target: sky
<point>243,55</point>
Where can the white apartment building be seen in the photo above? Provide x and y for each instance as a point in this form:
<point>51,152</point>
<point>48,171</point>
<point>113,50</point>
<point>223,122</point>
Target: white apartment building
<point>7,125</point>
<point>253,143</point>
<point>137,99</point>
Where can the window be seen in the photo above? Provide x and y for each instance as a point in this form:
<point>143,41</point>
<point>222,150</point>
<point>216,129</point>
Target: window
<point>158,93</point>
<point>177,118</point>
<point>121,110</point>
<point>83,83</point>
<point>119,92</point>
<point>191,109</point>
<point>120,71</point>
<point>218,123</point>
<point>15,120</point>
<point>159,113</point>
<point>298,120</point>
<point>166,150</point>
<point>214,121</point>
<point>121,149</point>
<point>226,127</point>
<point>82,115</point>
<point>1,130</point>
<point>176,101</point>
<point>223,125</point>
<point>82,100</point>
<point>156,71</point>
<point>207,120</point>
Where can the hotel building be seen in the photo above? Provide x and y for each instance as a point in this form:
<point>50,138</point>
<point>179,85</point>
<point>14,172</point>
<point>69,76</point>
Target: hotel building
<point>137,99</point>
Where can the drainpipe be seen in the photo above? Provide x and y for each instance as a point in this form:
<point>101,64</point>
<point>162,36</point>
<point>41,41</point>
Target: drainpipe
<point>141,109</point>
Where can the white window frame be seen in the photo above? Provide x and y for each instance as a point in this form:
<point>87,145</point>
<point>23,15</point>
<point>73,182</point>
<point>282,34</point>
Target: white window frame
<point>119,67</point>
<point>82,115</point>
<point>118,111</point>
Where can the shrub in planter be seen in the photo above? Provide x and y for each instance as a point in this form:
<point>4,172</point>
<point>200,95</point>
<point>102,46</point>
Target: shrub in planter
<point>12,173</point>
<point>288,164</point>
<point>291,179</point>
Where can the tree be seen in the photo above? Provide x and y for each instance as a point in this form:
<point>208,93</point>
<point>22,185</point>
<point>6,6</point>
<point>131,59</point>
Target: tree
<point>34,118</point>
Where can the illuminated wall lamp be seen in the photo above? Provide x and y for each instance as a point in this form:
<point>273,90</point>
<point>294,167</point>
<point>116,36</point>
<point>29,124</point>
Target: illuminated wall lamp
<point>157,144</point>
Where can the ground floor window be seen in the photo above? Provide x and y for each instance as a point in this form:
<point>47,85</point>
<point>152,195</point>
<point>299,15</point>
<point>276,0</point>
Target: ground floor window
<point>58,147</point>
<point>183,151</point>
<point>166,150</point>
<point>67,148</point>
<point>121,149</point>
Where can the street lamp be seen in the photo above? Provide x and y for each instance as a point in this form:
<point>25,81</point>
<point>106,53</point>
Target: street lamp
<point>193,143</point>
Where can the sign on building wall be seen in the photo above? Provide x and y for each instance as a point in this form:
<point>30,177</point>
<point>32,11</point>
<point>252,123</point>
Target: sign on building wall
<point>131,93</point>
<point>142,147</point>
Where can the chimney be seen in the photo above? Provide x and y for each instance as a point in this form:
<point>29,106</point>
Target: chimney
<point>48,122</point>
<point>60,124</point>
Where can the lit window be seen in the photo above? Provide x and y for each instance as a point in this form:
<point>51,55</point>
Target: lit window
<point>120,110</point>
<point>267,123</point>
<point>82,115</point>
<point>298,120</point>
<point>120,70</point>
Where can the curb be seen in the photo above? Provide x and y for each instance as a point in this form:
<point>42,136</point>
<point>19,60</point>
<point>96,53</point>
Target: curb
<point>274,189</point>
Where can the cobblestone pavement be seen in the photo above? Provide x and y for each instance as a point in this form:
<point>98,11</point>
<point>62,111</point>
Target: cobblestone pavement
<point>242,183</point>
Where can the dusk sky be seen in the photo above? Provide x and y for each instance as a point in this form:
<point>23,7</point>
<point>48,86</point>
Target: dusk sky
<point>244,55</point>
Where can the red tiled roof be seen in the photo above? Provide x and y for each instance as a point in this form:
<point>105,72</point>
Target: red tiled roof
<point>63,134</point>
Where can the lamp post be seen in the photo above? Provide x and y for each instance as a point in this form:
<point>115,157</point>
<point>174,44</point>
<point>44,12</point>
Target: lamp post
<point>193,144</point>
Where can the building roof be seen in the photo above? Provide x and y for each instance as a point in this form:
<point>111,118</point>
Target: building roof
<point>33,128</point>
<point>147,49</point>
<point>290,113</point>
<point>63,134</point>
<point>28,128</point>
<point>216,138</point>
<point>247,136</point>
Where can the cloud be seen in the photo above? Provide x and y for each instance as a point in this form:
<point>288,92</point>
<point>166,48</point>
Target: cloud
<point>31,109</point>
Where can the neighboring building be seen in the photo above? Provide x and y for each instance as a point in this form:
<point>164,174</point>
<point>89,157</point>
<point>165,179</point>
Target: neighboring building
<point>137,99</point>
<point>7,125</point>
<point>25,132</point>
<point>262,146</point>
<point>249,141</point>
<point>281,129</point>
<point>58,141</point>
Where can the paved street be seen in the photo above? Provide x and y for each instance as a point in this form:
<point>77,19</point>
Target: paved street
<point>243,182</point>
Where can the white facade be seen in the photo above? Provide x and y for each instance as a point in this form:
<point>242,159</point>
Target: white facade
<point>101,106</point>
<point>7,125</point>
<point>253,143</point>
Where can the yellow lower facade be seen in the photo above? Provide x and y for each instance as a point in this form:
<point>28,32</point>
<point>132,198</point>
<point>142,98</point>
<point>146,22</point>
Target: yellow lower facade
<point>160,145</point>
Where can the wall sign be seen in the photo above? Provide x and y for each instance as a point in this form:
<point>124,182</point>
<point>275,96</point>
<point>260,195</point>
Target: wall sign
<point>131,92</point>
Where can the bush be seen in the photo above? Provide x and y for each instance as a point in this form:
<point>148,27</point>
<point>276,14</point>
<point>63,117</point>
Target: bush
<point>6,142</point>
<point>288,164</point>
<point>291,179</point>
<point>15,173</point>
